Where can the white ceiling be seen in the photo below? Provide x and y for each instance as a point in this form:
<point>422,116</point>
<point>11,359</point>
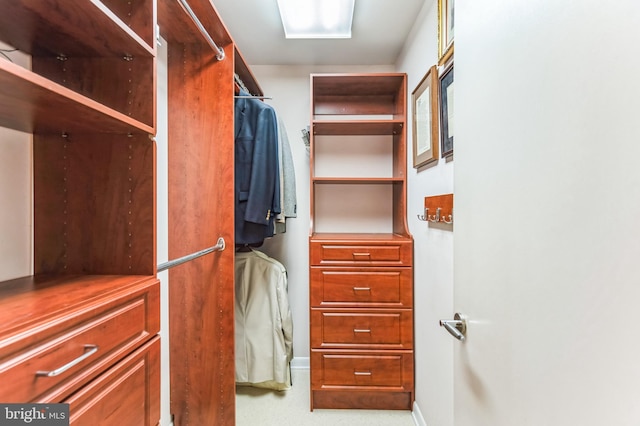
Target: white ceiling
<point>380,28</point>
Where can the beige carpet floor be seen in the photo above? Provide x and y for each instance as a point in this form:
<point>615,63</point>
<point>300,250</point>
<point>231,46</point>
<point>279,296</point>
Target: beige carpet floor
<point>263,407</point>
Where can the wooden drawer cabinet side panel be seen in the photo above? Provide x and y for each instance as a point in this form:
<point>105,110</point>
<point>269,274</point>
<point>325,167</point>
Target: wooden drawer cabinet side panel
<point>372,330</point>
<point>361,287</point>
<point>127,394</point>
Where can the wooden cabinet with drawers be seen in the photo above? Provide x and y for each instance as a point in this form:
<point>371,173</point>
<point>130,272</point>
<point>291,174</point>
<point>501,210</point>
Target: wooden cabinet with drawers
<point>83,328</point>
<point>360,250</point>
<point>62,338</point>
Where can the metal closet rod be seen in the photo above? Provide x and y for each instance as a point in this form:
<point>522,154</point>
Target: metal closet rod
<point>219,51</point>
<point>179,261</point>
<point>251,97</point>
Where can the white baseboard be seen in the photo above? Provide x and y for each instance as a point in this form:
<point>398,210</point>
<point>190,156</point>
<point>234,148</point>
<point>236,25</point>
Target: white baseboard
<point>417,415</point>
<point>300,363</point>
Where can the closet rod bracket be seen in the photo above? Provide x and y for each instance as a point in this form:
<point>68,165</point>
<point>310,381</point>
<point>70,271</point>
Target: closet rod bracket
<point>220,55</point>
<point>220,246</point>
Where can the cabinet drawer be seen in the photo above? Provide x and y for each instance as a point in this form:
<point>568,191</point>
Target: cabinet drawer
<point>388,371</point>
<point>389,254</point>
<point>366,287</point>
<point>127,394</point>
<point>372,329</point>
<point>61,363</point>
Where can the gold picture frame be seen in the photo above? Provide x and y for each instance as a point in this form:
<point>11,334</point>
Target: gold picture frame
<point>425,119</point>
<point>445,30</point>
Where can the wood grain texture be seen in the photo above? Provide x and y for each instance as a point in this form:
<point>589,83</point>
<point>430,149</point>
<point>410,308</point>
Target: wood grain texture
<point>48,319</point>
<point>361,284</point>
<point>127,394</point>
<point>201,200</point>
<point>126,86</point>
<point>94,198</point>
<point>361,287</point>
<point>74,28</point>
<point>91,113</point>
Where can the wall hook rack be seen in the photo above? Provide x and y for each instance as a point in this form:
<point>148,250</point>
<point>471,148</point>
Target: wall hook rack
<point>438,209</point>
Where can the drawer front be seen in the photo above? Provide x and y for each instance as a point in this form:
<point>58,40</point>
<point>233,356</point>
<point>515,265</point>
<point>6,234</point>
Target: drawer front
<point>57,366</point>
<point>127,394</point>
<point>372,330</point>
<point>367,287</point>
<point>388,371</point>
<point>392,254</point>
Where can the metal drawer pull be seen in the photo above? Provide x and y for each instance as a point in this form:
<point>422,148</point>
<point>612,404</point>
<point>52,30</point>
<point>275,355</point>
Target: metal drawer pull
<point>361,330</point>
<point>92,349</point>
<point>362,289</point>
<point>361,254</point>
<point>362,373</point>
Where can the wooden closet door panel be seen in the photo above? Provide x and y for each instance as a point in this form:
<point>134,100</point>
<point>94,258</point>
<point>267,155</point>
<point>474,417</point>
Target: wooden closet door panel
<point>201,206</point>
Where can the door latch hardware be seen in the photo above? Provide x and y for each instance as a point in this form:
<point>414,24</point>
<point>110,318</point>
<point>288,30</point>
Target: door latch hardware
<point>457,327</point>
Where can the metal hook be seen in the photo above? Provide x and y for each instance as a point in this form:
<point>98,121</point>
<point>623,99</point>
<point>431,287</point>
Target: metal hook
<point>436,217</point>
<point>425,215</point>
<point>450,221</point>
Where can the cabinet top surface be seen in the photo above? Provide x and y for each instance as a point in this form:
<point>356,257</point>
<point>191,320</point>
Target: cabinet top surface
<point>29,301</point>
<point>358,237</point>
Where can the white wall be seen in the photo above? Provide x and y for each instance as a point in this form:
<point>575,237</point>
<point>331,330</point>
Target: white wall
<point>288,86</point>
<point>433,247</point>
<point>16,189</point>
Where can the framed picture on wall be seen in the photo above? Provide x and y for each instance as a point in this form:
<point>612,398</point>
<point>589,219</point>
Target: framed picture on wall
<point>425,119</point>
<point>445,30</point>
<point>446,111</point>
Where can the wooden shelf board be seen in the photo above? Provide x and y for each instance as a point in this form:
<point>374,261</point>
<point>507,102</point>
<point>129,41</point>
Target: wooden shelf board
<point>345,85</point>
<point>80,28</point>
<point>32,103</point>
<point>358,127</point>
<point>357,180</point>
<point>377,237</point>
<point>38,299</point>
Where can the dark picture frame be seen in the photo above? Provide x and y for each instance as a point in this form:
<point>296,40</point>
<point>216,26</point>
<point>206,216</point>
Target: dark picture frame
<point>446,111</point>
<point>425,119</point>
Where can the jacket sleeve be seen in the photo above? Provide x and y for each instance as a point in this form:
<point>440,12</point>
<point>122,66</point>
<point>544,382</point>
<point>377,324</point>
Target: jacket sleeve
<point>285,315</point>
<point>264,171</point>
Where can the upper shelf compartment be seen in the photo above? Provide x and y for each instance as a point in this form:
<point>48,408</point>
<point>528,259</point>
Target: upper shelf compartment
<point>30,103</point>
<point>92,66</point>
<point>355,94</point>
<point>91,28</point>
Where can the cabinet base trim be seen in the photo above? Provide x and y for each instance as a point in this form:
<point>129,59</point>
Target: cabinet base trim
<point>361,400</point>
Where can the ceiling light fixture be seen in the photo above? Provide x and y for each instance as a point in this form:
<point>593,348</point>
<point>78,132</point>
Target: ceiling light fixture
<point>316,18</point>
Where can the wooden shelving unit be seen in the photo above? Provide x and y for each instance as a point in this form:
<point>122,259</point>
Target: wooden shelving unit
<point>88,99</point>
<point>361,252</point>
